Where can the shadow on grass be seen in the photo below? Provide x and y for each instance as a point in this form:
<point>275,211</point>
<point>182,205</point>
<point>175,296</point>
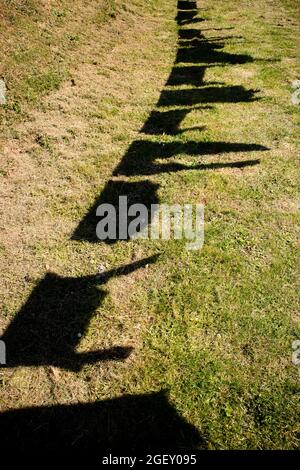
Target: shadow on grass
<point>49,327</point>
<point>131,422</point>
<point>144,192</point>
<point>143,157</point>
<point>191,97</point>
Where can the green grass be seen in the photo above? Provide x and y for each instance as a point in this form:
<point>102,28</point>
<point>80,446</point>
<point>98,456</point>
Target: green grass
<point>213,328</point>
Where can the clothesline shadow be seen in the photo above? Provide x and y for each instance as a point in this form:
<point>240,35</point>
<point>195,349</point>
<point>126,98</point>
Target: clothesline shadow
<point>49,327</point>
<point>186,90</point>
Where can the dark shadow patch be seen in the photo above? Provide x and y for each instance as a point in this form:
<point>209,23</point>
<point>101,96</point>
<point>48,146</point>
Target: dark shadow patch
<point>196,34</point>
<point>201,43</point>
<point>186,16</point>
<point>191,97</point>
<point>132,422</point>
<point>48,328</point>
<point>186,5</point>
<point>209,55</point>
<point>167,122</point>
<point>173,167</point>
<point>143,192</point>
<point>140,159</point>
<point>189,75</point>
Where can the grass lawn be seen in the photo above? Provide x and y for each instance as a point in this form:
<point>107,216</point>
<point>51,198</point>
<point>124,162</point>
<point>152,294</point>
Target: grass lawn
<point>170,102</point>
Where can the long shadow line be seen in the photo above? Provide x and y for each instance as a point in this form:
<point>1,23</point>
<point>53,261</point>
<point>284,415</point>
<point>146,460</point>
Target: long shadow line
<point>48,328</point>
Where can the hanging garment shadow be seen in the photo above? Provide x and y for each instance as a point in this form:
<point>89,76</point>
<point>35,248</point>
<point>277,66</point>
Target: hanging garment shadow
<point>141,192</point>
<point>132,422</point>
<point>192,97</point>
<point>142,155</point>
<point>48,328</point>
